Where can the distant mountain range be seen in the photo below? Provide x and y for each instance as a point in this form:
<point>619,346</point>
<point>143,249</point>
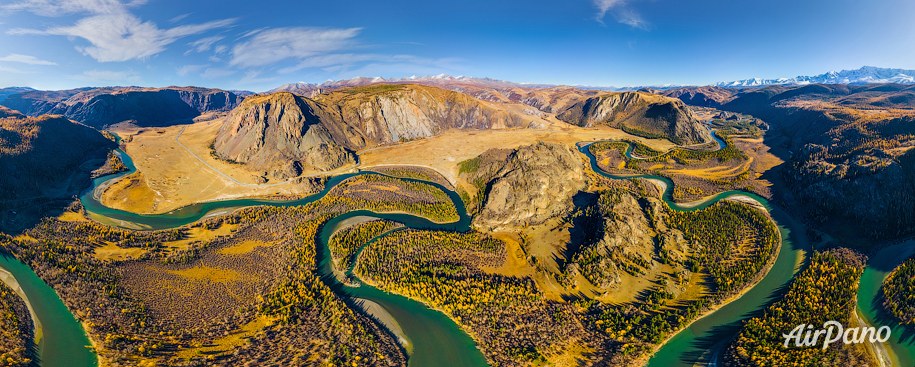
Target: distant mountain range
<point>864,75</point>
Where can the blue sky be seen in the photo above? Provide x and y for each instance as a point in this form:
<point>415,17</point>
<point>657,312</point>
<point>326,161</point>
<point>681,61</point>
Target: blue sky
<point>257,45</point>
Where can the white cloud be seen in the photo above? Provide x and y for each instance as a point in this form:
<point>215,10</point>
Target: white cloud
<point>190,69</point>
<point>632,19</point>
<point>113,33</point>
<point>26,59</point>
<point>204,44</point>
<point>603,6</point>
<point>620,11</point>
<point>264,47</point>
<point>54,8</point>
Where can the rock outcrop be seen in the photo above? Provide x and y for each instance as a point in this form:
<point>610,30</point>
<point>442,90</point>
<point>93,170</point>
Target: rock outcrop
<point>285,134</point>
<point>639,113</point>
<point>281,134</point>
<point>526,186</point>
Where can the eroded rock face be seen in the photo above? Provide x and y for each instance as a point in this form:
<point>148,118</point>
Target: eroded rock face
<point>528,185</point>
<point>280,134</point>
<point>283,134</point>
<point>639,113</point>
<point>628,237</point>
<point>384,114</point>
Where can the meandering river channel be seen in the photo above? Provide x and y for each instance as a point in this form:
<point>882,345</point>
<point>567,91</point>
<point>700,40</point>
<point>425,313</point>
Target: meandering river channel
<point>430,337</point>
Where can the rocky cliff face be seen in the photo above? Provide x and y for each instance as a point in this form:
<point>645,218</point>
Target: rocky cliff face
<point>284,134</point>
<point>841,142</point>
<point>526,186</point>
<point>100,107</point>
<point>281,134</point>
<point>639,113</point>
<point>383,114</point>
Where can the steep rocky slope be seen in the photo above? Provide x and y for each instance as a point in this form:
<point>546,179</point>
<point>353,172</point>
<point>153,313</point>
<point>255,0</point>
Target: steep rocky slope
<point>701,96</point>
<point>525,186</point>
<point>46,160</point>
<point>284,134</point>
<point>100,107</point>
<point>639,113</point>
<point>842,142</point>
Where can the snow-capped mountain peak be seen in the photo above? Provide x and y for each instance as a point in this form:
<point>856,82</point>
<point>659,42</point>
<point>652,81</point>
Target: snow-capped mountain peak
<point>863,75</point>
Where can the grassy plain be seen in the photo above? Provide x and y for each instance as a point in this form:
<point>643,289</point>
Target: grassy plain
<point>176,169</point>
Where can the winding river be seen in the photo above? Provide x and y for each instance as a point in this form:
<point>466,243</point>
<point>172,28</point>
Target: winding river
<point>700,341</point>
<point>430,337</point>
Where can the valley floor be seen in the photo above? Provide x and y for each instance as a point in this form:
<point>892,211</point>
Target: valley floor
<point>176,168</point>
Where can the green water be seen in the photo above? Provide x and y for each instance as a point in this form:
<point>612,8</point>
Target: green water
<point>879,265</point>
<point>702,340</point>
<point>435,339</point>
<point>63,341</point>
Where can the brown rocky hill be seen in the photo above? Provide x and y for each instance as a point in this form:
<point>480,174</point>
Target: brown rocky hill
<point>281,134</point>
<point>707,96</point>
<point>48,160</point>
<point>639,113</point>
<point>100,107</point>
<point>285,134</point>
<point>842,142</point>
<point>524,186</point>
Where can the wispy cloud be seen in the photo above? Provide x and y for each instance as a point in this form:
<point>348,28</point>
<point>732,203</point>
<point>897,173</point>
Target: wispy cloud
<point>26,59</point>
<point>112,31</point>
<point>264,47</point>
<point>56,8</point>
<point>619,10</point>
<point>204,44</point>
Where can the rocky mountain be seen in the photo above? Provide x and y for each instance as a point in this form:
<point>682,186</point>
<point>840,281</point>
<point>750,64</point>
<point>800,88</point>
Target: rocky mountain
<point>6,92</point>
<point>641,114</point>
<point>100,107</point>
<point>57,155</point>
<point>708,96</point>
<point>525,186</point>
<point>282,134</point>
<point>841,142</point>
<point>282,125</point>
<point>863,75</point>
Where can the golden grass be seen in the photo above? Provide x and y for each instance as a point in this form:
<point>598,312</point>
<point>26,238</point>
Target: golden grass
<point>69,216</point>
<point>572,355</point>
<point>112,252</point>
<point>229,343</point>
<point>444,152</point>
<point>716,172</point>
<point>131,193</point>
<point>201,234</point>
<point>178,171</point>
<point>242,248</point>
<point>207,273</point>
